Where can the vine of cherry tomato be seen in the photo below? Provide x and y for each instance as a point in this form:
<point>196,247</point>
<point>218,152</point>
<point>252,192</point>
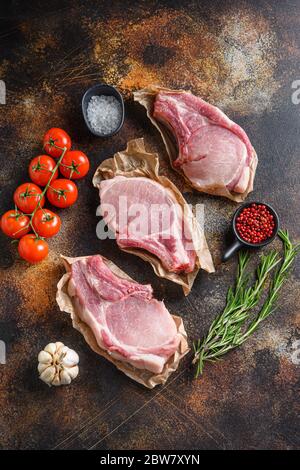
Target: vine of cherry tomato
<point>14,224</point>
<point>55,138</point>
<point>46,223</point>
<point>29,214</point>
<point>27,197</point>
<point>74,165</point>
<point>62,193</point>
<point>40,170</point>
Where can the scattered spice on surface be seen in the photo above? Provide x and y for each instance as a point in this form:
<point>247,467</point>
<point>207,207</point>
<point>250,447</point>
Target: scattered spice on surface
<point>104,114</point>
<point>255,223</point>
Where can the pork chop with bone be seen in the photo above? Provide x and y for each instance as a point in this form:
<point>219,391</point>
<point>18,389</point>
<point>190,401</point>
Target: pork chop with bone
<point>125,319</point>
<point>214,153</point>
<point>144,214</point>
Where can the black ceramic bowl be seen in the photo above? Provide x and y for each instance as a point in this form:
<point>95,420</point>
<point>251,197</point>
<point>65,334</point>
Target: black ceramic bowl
<point>97,90</point>
<point>238,242</point>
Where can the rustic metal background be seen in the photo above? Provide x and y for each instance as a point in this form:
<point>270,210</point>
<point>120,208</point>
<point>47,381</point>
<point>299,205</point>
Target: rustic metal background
<point>242,56</point>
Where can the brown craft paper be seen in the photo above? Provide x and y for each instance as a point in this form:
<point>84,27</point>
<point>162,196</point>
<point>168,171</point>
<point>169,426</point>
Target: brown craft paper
<point>144,377</point>
<point>133,162</point>
<point>146,98</point>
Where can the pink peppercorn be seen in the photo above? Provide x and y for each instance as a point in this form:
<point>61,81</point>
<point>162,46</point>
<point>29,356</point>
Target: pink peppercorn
<point>255,223</point>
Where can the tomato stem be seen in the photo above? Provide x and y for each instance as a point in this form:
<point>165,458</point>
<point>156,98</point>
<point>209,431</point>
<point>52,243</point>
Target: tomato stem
<point>73,168</point>
<point>40,166</point>
<point>38,206</point>
<point>60,192</point>
<point>20,229</point>
<point>52,143</point>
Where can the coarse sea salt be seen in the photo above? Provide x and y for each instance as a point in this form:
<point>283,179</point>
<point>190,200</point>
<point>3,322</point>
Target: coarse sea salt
<point>104,113</point>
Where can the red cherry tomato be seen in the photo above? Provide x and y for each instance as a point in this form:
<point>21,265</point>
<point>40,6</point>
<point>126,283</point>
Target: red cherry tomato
<point>33,249</point>
<point>46,223</point>
<point>27,196</point>
<point>58,137</point>
<point>40,170</point>
<point>62,193</point>
<point>14,224</point>
<point>74,165</point>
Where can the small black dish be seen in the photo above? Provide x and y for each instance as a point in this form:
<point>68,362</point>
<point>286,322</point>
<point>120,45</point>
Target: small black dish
<point>239,242</point>
<point>97,90</point>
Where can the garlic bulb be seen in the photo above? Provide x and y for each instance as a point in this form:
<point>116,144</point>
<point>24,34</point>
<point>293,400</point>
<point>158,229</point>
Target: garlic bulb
<point>58,364</point>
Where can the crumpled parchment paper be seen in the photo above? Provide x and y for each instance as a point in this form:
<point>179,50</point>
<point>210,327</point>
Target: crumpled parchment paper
<point>148,379</point>
<point>136,161</point>
<point>146,98</point>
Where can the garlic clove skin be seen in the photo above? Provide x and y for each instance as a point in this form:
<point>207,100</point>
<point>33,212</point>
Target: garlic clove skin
<point>56,380</point>
<point>65,377</point>
<point>73,372</point>
<point>60,347</point>
<point>70,358</point>
<point>50,348</point>
<point>42,367</point>
<point>44,357</point>
<point>58,364</point>
<point>48,375</point>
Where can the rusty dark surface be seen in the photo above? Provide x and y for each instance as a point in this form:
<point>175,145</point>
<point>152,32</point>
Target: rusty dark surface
<point>242,56</point>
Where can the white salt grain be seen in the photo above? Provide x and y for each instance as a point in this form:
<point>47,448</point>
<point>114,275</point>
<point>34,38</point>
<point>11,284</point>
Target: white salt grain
<point>104,113</point>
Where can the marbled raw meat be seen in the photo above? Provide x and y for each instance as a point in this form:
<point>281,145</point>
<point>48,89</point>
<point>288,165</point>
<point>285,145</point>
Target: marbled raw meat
<point>126,320</point>
<point>170,240</point>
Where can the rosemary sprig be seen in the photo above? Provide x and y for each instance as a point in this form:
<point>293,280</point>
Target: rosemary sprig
<point>233,326</point>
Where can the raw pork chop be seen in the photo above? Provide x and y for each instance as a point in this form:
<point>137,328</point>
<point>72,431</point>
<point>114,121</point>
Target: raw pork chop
<point>126,321</point>
<point>214,153</point>
<point>150,219</point>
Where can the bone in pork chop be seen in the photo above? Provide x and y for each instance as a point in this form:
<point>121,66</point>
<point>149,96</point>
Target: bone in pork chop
<point>125,319</point>
<point>213,151</point>
<point>153,220</point>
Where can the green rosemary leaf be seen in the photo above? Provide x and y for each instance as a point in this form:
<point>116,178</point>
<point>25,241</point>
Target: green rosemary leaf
<point>234,325</point>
